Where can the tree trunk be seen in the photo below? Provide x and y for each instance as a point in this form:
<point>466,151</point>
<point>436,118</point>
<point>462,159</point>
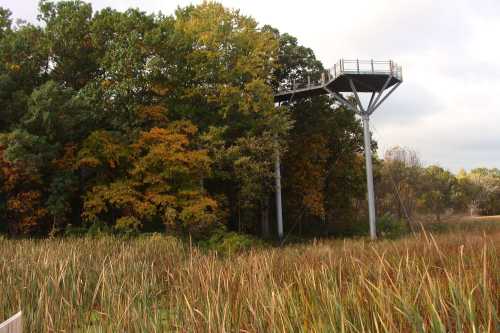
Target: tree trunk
<point>264,218</point>
<point>239,216</point>
<point>300,225</point>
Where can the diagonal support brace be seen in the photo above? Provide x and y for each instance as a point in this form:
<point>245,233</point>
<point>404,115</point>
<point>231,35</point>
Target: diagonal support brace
<point>342,100</point>
<point>381,92</point>
<point>355,92</point>
<point>384,98</point>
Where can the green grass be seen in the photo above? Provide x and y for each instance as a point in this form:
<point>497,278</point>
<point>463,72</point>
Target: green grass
<point>423,283</point>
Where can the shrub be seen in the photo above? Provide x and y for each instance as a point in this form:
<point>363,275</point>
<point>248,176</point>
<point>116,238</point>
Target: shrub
<point>98,228</point>
<point>74,231</point>
<point>389,226</point>
<point>225,243</point>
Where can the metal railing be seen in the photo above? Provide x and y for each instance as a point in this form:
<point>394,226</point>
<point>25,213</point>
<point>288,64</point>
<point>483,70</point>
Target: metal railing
<point>345,66</point>
<point>12,325</point>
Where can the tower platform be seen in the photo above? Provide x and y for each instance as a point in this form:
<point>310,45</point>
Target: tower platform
<point>354,77</point>
<point>367,75</point>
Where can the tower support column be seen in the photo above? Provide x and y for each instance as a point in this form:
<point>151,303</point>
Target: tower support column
<point>279,209</point>
<point>369,175</point>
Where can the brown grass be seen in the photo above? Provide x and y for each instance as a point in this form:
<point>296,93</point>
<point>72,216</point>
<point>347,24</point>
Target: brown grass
<point>442,283</point>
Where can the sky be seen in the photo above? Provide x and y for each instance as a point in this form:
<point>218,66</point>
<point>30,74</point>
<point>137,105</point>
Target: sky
<point>448,107</point>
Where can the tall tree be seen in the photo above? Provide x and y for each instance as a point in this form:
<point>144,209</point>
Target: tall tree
<point>134,119</point>
<point>67,36</point>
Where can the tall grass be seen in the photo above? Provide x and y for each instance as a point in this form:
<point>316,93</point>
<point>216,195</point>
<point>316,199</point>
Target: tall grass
<point>442,283</point>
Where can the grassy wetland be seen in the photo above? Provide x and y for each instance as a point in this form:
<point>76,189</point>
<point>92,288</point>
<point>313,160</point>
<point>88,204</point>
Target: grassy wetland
<point>448,281</point>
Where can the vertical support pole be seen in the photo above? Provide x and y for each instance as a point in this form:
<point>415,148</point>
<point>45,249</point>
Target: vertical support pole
<point>279,209</point>
<point>369,176</point>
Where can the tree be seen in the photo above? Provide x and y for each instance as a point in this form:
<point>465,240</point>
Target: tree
<point>437,190</point>
<point>399,183</point>
<point>481,187</point>
<point>22,206</point>
<point>5,21</point>
<point>22,69</point>
<point>138,120</point>
<point>164,182</point>
<point>67,37</point>
<point>322,169</point>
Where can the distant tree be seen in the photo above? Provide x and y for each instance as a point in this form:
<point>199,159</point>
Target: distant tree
<point>437,186</point>
<point>485,193</point>
<point>467,194</point>
<point>399,182</point>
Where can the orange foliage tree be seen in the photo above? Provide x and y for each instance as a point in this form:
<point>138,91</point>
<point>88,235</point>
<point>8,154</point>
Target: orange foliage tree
<point>23,206</point>
<point>163,181</point>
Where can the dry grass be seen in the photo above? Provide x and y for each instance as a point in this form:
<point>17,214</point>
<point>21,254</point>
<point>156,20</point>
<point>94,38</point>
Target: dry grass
<point>494,218</point>
<point>442,283</point>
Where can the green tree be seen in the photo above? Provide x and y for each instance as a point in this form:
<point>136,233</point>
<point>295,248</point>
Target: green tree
<point>437,190</point>
<point>22,68</point>
<point>67,37</point>
<point>135,119</point>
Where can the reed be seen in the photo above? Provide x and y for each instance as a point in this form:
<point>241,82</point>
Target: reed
<point>423,283</point>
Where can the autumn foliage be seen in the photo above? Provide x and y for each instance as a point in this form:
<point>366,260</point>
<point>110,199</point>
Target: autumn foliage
<point>130,122</point>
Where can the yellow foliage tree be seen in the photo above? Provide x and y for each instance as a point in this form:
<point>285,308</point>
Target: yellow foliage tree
<point>164,181</point>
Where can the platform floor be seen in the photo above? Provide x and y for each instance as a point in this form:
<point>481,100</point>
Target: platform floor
<point>364,82</point>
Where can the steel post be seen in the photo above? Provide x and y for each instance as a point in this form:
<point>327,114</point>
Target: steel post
<point>369,176</point>
<point>279,209</point>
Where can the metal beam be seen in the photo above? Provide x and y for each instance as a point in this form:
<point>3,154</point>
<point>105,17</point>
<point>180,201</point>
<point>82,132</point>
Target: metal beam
<point>382,91</point>
<point>355,92</point>
<point>277,175</point>
<point>342,100</point>
<point>279,209</point>
<point>383,99</point>
<point>371,100</point>
<point>369,176</point>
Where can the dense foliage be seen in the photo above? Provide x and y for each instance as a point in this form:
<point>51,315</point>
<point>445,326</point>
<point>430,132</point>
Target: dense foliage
<point>405,188</point>
<point>128,121</point>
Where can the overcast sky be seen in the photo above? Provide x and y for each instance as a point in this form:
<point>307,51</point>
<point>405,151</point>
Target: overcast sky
<point>447,109</point>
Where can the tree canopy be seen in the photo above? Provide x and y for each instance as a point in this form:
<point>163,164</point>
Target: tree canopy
<point>131,121</point>
<point>136,121</point>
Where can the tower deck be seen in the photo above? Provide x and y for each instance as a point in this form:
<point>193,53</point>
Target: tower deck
<point>367,75</point>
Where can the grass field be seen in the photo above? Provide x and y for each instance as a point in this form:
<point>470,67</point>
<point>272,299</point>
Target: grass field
<point>447,282</point>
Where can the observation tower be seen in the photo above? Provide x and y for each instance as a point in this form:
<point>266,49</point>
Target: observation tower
<point>362,80</point>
